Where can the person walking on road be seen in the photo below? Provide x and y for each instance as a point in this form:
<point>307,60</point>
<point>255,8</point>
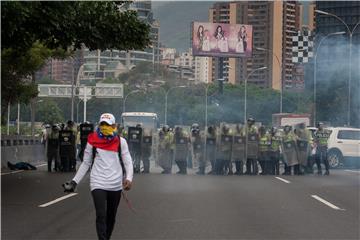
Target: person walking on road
<point>111,172</point>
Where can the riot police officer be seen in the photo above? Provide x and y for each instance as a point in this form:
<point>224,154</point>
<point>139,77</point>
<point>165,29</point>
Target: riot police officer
<point>288,145</point>
<point>251,147</point>
<point>85,129</point>
<point>275,152</point>
<point>67,149</point>
<point>165,151</point>
<point>134,141</point>
<point>223,154</point>
<point>181,141</point>
<point>53,147</point>
<point>264,150</point>
<point>146,147</point>
<point>71,126</point>
<point>211,147</point>
<point>238,149</point>
<point>197,147</point>
<point>303,143</point>
<point>321,137</point>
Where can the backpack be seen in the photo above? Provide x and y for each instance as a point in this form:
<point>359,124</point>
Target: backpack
<point>120,158</point>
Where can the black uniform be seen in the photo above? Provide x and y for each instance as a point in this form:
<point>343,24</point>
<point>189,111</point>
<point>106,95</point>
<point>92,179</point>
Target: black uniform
<point>67,149</point>
<point>53,148</point>
<point>134,140</point>
<point>85,130</point>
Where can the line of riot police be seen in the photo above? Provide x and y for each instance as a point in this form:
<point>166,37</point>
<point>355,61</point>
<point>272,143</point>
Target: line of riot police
<point>63,142</point>
<point>245,146</point>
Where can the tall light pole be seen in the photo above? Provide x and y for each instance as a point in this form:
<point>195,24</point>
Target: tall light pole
<point>350,56</point>
<point>166,100</point>
<point>72,89</point>
<point>280,68</point>
<point>315,58</point>
<point>131,92</point>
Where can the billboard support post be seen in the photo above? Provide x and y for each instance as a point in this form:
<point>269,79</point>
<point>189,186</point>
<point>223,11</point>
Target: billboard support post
<point>221,74</point>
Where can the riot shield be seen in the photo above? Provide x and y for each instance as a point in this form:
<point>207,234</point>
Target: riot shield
<point>67,148</point>
<point>252,145</point>
<point>181,147</point>
<point>289,153</point>
<point>238,148</point>
<point>85,130</point>
<point>134,135</point>
<point>134,141</point>
<point>302,151</point>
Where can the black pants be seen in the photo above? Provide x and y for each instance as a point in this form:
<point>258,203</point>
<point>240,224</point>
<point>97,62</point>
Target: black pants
<point>182,165</point>
<point>251,166</point>
<point>106,205</point>
<point>239,167</point>
<point>50,156</point>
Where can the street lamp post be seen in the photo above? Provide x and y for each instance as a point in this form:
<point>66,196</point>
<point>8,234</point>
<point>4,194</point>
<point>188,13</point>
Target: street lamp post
<point>166,100</point>
<point>134,91</point>
<point>315,58</point>
<point>280,68</point>
<point>350,56</point>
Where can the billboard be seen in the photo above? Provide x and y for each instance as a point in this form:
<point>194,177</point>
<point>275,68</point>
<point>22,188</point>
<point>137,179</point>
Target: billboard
<point>221,39</point>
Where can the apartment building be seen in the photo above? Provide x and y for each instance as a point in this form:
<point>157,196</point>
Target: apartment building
<point>274,23</point>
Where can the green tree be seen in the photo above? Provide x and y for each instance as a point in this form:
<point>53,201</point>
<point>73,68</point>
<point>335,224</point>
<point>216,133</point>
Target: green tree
<point>49,112</point>
<point>34,31</point>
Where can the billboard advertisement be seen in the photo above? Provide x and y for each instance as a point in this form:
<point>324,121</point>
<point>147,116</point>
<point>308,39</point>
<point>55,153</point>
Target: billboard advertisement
<point>221,39</point>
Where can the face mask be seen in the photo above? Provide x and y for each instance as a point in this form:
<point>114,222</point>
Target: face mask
<point>107,130</point>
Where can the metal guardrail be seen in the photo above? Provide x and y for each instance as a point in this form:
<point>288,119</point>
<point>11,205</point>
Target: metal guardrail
<point>9,141</point>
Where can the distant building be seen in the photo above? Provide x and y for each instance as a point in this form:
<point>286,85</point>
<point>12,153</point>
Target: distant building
<point>57,70</point>
<point>167,56</point>
<point>274,23</point>
<point>191,68</point>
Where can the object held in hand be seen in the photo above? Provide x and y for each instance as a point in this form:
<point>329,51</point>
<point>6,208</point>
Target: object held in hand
<point>69,186</point>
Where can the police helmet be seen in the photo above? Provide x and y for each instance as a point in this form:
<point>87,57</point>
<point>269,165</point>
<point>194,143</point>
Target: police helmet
<point>177,129</point>
<point>287,128</point>
<point>273,130</point>
<point>319,124</point>
<point>251,120</point>
<point>165,128</point>
<point>262,129</point>
<point>211,129</point>
<point>225,128</point>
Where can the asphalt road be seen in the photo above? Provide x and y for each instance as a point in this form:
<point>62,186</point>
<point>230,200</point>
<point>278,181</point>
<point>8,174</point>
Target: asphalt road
<point>188,207</point>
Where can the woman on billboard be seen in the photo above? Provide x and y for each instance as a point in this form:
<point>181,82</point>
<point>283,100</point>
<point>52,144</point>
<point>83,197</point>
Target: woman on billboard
<point>200,36</point>
<point>242,40</point>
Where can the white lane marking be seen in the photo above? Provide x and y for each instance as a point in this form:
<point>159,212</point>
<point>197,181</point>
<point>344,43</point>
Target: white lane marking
<point>58,200</point>
<point>327,203</point>
<point>41,165</point>
<point>281,179</point>
<point>12,172</point>
<point>354,171</point>
<point>17,171</point>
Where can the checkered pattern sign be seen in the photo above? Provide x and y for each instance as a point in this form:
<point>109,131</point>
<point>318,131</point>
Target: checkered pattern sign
<point>302,47</point>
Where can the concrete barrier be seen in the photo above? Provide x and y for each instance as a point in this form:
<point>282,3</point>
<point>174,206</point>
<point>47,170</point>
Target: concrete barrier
<point>21,149</point>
